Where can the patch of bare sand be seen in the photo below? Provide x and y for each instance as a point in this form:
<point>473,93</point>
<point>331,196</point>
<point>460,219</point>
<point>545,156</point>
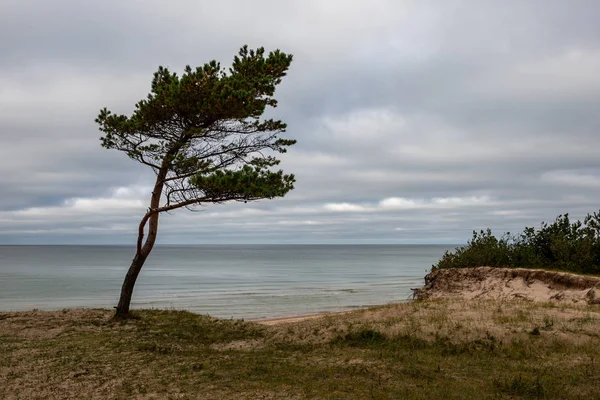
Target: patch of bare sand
<point>510,283</point>
<point>298,318</point>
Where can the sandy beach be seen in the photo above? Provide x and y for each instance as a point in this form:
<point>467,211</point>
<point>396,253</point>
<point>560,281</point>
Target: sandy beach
<point>492,284</point>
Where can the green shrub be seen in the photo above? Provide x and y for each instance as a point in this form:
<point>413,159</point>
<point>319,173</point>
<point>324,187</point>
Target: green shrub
<point>562,245</point>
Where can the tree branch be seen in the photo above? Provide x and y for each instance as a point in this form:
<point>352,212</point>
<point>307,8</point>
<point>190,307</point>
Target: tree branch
<point>141,228</point>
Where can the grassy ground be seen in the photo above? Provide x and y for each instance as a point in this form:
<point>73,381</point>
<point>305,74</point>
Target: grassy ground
<point>448,349</point>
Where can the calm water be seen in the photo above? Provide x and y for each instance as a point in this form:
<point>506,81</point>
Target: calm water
<point>254,281</point>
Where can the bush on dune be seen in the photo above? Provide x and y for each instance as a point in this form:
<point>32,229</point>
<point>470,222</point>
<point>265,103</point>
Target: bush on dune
<point>561,245</point>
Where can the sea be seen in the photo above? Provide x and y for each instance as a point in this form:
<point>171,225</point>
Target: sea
<point>227,281</point>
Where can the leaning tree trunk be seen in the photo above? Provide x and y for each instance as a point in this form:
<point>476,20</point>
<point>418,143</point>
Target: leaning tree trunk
<point>142,252</point>
<point>138,261</point>
<point>128,284</point>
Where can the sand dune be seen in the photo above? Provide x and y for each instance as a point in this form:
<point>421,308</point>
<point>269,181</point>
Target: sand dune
<point>510,283</point>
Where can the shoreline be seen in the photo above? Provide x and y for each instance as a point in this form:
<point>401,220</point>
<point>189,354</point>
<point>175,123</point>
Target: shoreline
<point>535,285</point>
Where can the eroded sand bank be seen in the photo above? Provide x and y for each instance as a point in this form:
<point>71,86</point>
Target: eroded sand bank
<point>510,283</point>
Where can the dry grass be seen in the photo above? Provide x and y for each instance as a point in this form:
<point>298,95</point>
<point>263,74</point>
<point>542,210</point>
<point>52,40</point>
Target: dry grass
<point>429,349</point>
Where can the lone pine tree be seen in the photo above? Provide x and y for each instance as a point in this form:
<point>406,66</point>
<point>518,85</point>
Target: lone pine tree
<point>203,136</point>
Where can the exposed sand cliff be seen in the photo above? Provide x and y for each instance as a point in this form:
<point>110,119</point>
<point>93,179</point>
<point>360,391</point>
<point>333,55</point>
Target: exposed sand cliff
<point>510,283</point>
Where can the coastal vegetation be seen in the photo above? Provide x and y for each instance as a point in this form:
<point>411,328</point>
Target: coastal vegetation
<point>452,349</point>
<point>203,137</point>
<point>561,245</point>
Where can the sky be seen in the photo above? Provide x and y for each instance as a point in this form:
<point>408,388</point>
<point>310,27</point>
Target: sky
<point>416,121</point>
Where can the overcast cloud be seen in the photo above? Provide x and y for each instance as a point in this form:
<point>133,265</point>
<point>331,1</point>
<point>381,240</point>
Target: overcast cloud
<point>416,121</point>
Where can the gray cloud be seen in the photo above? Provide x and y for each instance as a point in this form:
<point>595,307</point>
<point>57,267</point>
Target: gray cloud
<point>417,121</point>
